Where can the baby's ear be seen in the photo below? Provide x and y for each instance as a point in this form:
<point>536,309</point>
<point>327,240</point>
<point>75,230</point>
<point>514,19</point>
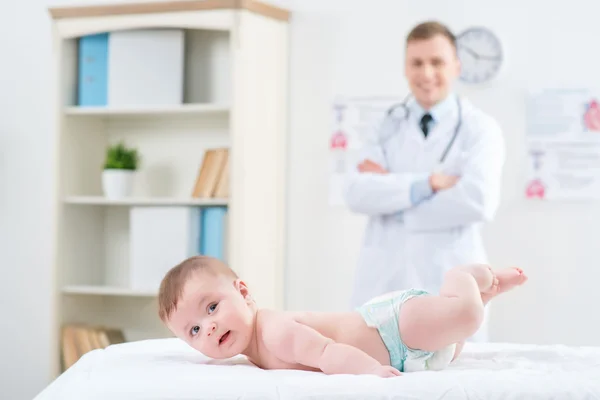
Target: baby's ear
<point>242,288</point>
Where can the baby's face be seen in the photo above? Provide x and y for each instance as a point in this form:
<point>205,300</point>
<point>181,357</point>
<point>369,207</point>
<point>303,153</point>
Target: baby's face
<point>214,316</point>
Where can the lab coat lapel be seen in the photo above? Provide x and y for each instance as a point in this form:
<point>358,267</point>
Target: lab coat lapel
<point>439,137</point>
<point>424,153</point>
<point>411,149</point>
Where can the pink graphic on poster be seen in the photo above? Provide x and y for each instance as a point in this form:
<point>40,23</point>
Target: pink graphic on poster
<point>535,189</point>
<point>339,141</point>
<point>591,118</point>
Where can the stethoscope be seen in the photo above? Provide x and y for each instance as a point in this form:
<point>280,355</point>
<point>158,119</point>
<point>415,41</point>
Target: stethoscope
<point>395,109</point>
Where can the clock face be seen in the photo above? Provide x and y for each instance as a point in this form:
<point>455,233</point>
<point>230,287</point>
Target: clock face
<point>480,54</point>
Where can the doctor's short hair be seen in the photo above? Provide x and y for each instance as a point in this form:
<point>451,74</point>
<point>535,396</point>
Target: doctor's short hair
<point>172,285</point>
<point>429,29</point>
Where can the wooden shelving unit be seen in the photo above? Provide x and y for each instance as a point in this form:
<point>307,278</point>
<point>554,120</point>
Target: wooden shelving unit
<point>235,97</point>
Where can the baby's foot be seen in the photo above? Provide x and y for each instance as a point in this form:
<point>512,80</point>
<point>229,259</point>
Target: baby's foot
<point>508,278</point>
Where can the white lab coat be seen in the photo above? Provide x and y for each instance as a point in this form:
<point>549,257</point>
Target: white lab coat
<point>412,246</point>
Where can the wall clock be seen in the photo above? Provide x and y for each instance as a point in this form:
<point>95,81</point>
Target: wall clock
<point>480,54</point>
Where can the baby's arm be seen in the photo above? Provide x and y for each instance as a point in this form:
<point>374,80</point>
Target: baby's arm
<point>297,343</point>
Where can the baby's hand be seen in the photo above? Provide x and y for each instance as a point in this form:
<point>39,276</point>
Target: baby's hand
<point>386,371</point>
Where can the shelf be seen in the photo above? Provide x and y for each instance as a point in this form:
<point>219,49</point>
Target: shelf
<point>108,291</point>
<point>184,109</point>
<point>144,201</point>
<point>208,102</point>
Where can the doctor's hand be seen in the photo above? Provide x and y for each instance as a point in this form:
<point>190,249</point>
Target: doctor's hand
<point>370,166</point>
<point>439,181</point>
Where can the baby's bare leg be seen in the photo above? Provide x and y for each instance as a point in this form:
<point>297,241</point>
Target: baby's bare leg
<point>431,323</point>
<point>507,279</point>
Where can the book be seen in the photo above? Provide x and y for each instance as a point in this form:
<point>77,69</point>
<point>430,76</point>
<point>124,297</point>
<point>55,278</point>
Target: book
<point>213,176</point>
<point>222,189</point>
<point>92,70</point>
<point>78,340</point>
<point>213,236</point>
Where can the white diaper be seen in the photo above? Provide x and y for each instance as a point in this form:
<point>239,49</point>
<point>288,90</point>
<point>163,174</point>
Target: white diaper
<point>383,313</point>
<point>436,362</point>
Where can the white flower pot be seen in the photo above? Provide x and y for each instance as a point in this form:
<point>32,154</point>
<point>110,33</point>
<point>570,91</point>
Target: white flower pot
<point>117,183</point>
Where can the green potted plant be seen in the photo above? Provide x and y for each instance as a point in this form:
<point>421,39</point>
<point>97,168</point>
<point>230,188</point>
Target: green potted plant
<point>120,164</point>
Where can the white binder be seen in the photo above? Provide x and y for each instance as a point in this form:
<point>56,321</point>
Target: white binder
<point>161,237</point>
<point>145,67</point>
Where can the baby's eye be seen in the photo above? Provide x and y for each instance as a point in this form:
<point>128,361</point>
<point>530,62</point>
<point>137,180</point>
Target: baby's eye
<point>212,307</point>
<point>195,330</point>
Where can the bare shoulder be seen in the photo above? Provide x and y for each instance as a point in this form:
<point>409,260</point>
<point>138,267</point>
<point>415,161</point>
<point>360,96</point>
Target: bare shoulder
<point>289,339</point>
<point>273,324</point>
<point>272,318</point>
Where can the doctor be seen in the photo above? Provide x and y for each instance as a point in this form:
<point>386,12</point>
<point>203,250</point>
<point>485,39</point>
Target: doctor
<point>429,179</point>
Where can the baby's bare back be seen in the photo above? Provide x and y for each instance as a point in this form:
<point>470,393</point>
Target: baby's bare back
<point>347,328</point>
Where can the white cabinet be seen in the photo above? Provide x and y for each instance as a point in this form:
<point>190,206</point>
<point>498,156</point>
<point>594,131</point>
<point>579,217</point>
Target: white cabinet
<point>233,94</point>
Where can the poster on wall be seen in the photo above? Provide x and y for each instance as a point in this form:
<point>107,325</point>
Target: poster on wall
<point>563,144</point>
<point>355,122</point>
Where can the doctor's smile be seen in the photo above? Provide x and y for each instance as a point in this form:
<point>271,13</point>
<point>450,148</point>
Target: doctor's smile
<point>431,67</point>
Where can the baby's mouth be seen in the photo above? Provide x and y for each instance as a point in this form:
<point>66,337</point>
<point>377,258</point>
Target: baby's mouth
<point>224,337</point>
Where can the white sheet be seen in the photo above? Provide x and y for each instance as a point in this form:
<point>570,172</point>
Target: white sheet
<point>169,369</point>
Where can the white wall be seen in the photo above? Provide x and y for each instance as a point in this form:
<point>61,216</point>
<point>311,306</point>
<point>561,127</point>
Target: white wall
<point>332,41</point>
<point>25,186</point>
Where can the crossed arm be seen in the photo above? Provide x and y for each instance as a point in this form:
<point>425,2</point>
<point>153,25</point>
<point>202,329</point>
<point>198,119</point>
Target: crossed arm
<point>296,343</point>
<point>373,190</point>
<point>475,196</point>
<point>451,201</point>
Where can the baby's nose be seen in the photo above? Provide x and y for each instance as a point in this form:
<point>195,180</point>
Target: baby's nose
<point>212,327</point>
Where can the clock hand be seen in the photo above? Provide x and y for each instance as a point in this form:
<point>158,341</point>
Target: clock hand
<point>468,50</point>
<point>479,56</point>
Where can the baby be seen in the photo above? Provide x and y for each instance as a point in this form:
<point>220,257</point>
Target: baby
<point>204,303</point>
